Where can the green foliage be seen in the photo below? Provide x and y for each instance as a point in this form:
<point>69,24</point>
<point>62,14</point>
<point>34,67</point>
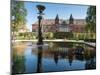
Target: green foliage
<point>26,36</point>
<point>91,19</point>
<point>84,36</point>
<point>48,35</point>
<point>18,14</point>
<point>63,35</point>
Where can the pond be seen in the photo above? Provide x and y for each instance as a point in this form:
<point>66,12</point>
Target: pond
<point>27,57</point>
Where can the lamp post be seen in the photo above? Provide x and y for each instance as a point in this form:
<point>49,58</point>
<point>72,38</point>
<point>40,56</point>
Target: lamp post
<point>41,8</point>
<point>40,38</point>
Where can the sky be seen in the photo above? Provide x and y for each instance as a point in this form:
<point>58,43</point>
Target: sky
<point>52,9</point>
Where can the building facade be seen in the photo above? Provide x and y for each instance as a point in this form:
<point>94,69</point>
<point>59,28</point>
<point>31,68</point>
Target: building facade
<point>60,25</point>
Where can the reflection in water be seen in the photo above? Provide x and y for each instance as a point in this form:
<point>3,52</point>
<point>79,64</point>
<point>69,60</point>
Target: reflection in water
<point>70,56</point>
<point>79,57</point>
<point>33,58</point>
<point>79,50</point>
<point>18,64</point>
<point>39,60</point>
<point>56,57</point>
<point>90,59</point>
<point>90,64</point>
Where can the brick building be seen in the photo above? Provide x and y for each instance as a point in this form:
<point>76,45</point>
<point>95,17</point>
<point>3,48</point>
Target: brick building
<point>61,25</point>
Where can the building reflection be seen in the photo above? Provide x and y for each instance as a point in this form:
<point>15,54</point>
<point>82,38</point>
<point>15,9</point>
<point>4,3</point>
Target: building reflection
<point>79,57</point>
<point>70,56</point>
<point>63,54</point>
<point>57,53</point>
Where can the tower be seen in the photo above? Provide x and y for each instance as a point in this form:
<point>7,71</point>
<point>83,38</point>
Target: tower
<point>57,19</point>
<point>71,19</point>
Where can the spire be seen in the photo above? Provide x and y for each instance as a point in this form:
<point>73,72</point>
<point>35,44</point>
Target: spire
<point>57,19</point>
<point>71,19</point>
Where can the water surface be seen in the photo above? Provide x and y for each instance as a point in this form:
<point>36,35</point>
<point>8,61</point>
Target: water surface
<point>51,57</point>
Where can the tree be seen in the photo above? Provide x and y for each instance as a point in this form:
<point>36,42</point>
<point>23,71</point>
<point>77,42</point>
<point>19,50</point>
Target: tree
<point>18,15</point>
<point>91,19</point>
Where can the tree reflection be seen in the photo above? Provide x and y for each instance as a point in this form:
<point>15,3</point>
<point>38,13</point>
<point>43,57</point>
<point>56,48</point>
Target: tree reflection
<point>90,64</point>
<point>18,64</point>
<point>90,59</point>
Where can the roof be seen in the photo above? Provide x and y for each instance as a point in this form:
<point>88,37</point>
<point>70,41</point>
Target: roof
<point>52,21</point>
<point>48,21</point>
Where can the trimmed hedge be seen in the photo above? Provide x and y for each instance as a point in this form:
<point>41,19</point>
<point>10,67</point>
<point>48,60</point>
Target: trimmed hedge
<point>63,35</point>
